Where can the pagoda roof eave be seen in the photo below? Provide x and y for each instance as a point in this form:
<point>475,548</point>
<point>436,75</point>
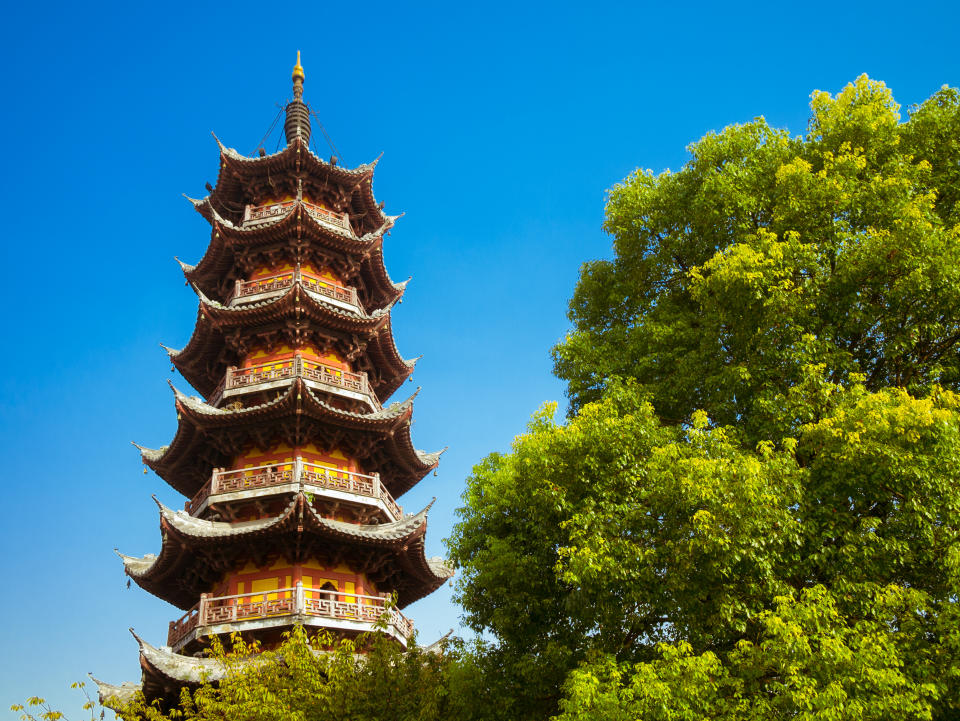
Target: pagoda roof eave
<point>299,398</point>
<point>137,566</point>
<point>285,157</point>
<point>432,458</point>
<point>150,455</point>
<point>221,256</point>
<point>186,268</point>
<point>269,230</point>
<point>207,436</point>
<point>116,697</point>
<point>381,278</point>
<point>185,526</point>
<point>293,301</point>
<point>175,667</point>
<point>203,361</point>
<point>187,541</point>
<point>383,351</point>
<point>237,171</point>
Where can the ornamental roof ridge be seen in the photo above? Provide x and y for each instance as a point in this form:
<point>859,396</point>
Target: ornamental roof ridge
<point>215,217</point>
<point>380,312</point>
<point>378,233</point>
<point>361,170</point>
<point>412,362</point>
<point>317,299</point>
<point>119,695</point>
<point>208,301</point>
<point>430,459</point>
<point>223,148</point>
<point>396,286</point>
<point>172,352</point>
<point>136,566</point>
<point>395,409</point>
<point>185,267</point>
<point>178,667</point>
<point>187,525</point>
<point>392,531</point>
<point>436,647</point>
<point>150,454</point>
<point>199,405</point>
<point>440,568</point>
<point>262,225</point>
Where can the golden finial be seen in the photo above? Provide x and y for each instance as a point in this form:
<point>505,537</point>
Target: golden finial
<point>298,69</point>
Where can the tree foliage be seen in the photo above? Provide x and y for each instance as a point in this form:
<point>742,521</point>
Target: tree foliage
<point>753,509</point>
<point>769,254</point>
<point>309,679</point>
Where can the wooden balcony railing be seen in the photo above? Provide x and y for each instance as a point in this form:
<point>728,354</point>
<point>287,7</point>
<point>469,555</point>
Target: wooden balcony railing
<point>323,603</point>
<point>341,220</point>
<point>293,471</point>
<point>338,381</point>
<point>256,214</point>
<point>282,281</point>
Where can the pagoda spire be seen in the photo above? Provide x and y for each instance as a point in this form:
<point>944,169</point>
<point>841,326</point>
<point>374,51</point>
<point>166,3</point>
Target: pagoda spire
<point>297,123</point>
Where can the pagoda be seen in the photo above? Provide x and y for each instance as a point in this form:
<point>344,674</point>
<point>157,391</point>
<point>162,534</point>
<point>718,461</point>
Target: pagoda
<point>290,462</point>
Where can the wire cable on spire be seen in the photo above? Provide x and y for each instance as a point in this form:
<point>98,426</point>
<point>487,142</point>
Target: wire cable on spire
<point>326,135</point>
<point>269,130</point>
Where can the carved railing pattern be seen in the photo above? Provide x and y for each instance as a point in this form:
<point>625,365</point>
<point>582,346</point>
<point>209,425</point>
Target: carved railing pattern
<point>286,368</point>
<point>323,603</point>
<point>282,281</point>
<point>261,373</point>
<point>339,219</point>
<point>296,471</point>
<point>331,290</point>
<point>183,625</point>
<point>256,214</point>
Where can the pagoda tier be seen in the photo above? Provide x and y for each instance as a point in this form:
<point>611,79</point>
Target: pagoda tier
<point>298,230</point>
<point>296,172</point>
<point>209,437</point>
<point>246,492</point>
<point>164,674</point>
<point>224,336</point>
<point>197,554</point>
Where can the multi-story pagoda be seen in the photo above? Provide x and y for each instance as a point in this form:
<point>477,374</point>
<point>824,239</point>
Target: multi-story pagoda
<point>290,463</point>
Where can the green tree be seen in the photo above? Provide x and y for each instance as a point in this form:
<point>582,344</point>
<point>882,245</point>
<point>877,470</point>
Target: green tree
<point>753,510</point>
<point>767,255</point>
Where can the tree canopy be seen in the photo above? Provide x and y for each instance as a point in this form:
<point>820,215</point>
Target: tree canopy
<point>753,508</point>
<point>768,256</point>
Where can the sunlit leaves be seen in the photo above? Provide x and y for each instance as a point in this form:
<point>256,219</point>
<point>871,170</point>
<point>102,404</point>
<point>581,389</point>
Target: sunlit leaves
<point>753,510</point>
<point>766,256</point>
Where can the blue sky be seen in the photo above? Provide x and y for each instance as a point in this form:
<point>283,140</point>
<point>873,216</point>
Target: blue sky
<point>501,124</point>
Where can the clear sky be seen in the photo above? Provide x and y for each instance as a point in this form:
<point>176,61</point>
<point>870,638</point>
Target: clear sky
<point>502,124</point>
